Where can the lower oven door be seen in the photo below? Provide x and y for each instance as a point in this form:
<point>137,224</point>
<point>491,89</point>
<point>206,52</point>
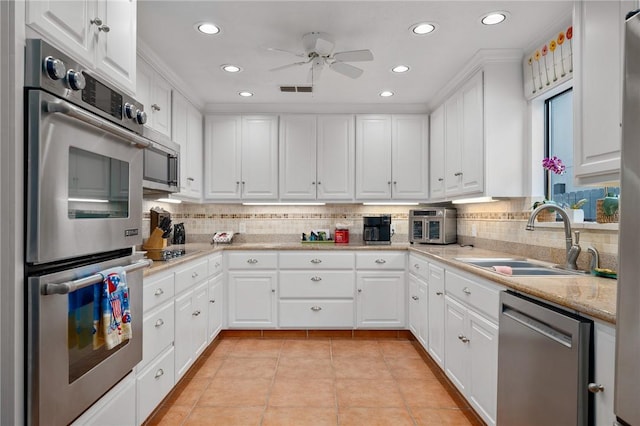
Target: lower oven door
<point>84,182</point>
<point>66,373</point>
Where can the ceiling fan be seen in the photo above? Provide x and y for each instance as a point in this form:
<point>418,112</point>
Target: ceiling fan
<point>318,51</point>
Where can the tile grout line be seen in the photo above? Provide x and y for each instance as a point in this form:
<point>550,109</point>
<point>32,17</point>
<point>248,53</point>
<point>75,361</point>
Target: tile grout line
<point>273,382</point>
<point>395,381</point>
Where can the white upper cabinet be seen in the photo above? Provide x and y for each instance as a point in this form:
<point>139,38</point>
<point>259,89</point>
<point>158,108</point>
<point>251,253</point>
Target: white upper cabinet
<point>597,98</point>
<point>436,158</point>
<point>99,33</point>
<point>154,92</point>
<point>187,131</point>
<point>316,157</point>
<point>241,157</point>
<point>392,160</point>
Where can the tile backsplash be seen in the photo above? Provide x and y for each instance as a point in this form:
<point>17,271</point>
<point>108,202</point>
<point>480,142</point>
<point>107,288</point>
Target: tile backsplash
<point>497,225</point>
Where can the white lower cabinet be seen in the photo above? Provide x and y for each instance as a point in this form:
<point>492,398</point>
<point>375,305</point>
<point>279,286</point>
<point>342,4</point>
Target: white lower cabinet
<point>158,328</point>
<point>119,403</point>
<point>604,373</point>
<point>471,355</point>
<point>435,312</point>
<point>418,317</point>
<point>381,299</point>
<point>215,318</point>
<point>191,327</point>
<point>154,383</point>
<point>252,299</point>
<point>316,313</point>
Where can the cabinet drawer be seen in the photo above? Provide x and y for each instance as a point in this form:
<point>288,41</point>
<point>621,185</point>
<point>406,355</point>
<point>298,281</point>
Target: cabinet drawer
<point>436,278</point>
<point>191,274</point>
<point>154,384</point>
<point>315,260</point>
<point>215,265</point>
<point>380,260</point>
<point>158,331</point>
<point>252,260</point>
<point>419,266</point>
<point>479,296</point>
<point>157,290</point>
<point>306,284</point>
<point>316,313</point>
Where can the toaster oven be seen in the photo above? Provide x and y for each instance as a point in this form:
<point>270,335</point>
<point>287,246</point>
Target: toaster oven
<point>433,225</point>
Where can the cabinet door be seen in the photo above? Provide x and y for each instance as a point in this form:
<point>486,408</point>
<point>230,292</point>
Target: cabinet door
<point>373,148</point>
<point>193,188</point>
<point>200,324</point>
<point>456,355</point>
<point>179,105</point>
<point>298,157</point>
<point>604,373</point>
<point>453,145</point>
<point>423,318</point>
<point>144,83</point>
<point>436,314</point>
<point>472,132</point>
<point>414,306</point>
<point>252,301</point>
<point>381,299</point>
<point>598,55</point>
<point>184,355</point>
<point>160,108</point>
<point>116,49</point>
<point>222,157</point>
<point>436,159</point>
<point>410,157</point>
<point>67,23</point>
<point>214,317</point>
<point>260,157</point>
<point>483,366</point>
<point>335,157</point>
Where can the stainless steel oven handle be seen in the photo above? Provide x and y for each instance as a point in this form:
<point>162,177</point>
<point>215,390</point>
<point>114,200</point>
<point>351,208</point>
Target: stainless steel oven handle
<point>71,286</point>
<point>71,110</point>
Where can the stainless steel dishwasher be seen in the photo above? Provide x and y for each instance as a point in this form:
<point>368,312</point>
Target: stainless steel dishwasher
<point>544,364</point>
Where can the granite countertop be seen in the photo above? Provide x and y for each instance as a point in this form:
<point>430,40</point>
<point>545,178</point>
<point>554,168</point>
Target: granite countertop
<point>586,294</point>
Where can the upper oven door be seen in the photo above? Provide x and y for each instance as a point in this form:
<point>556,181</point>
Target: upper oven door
<point>84,182</point>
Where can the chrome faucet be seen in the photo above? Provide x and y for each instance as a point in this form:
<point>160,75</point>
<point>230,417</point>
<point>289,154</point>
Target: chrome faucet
<point>573,250</point>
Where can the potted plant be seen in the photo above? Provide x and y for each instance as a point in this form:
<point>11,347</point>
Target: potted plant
<point>575,212</point>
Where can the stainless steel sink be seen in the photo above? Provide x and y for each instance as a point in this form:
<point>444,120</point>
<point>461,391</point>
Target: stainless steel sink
<point>519,266</point>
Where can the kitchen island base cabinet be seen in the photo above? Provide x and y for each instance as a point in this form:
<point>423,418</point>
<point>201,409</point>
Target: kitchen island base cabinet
<point>116,406</point>
<point>252,299</point>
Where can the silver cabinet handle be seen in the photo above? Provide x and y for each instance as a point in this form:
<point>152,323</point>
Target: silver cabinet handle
<point>316,308</point>
<point>463,338</point>
<point>416,266</point>
<point>212,301</point>
<point>159,373</point>
<point>438,293</point>
<point>158,292</point>
<point>98,23</point>
<point>466,290</point>
<point>194,275</point>
<point>388,182</point>
<point>595,387</point>
<point>159,323</point>
<point>380,261</point>
<point>196,313</point>
<point>319,183</point>
<point>316,261</point>
<point>415,297</point>
<point>316,279</point>
<point>313,183</point>
<point>359,290</point>
<point>190,179</point>
<point>217,265</point>
<point>440,179</point>
<point>395,182</point>
<point>273,290</point>
<point>458,174</point>
<point>155,107</point>
<point>252,261</point>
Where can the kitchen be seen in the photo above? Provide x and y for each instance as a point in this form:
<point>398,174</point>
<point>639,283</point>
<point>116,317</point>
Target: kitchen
<point>497,225</point>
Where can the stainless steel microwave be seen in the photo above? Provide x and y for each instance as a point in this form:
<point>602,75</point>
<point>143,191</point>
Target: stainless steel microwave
<point>433,225</point>
<point>161,164</point>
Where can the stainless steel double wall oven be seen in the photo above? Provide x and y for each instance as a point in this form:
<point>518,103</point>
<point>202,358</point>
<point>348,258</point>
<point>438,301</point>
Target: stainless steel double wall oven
<point>83,161</point>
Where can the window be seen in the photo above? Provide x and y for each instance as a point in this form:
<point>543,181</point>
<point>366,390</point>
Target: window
<point>559,143</point>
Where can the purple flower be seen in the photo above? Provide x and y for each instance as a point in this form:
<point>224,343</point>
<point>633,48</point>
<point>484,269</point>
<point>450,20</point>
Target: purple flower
<point>554,164</point>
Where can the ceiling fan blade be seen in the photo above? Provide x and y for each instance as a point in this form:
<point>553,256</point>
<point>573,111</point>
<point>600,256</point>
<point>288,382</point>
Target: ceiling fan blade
<point>346,69</point>
<point>283,67</point>
<point>354,56</point>
<point>275,49</point>
<point>316,69</point>
<point>323,47</point>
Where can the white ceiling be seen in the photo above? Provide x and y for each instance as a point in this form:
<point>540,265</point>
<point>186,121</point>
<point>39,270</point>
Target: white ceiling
<point>250,27</point>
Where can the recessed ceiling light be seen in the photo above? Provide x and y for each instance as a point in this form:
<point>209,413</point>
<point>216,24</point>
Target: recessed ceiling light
<point>386,94</point>
<point>423,28</point>
<point>231,68</point>
<point>494,18</point>
<point>245,94</point>
<point>400,68</point>
<point>208,28</point>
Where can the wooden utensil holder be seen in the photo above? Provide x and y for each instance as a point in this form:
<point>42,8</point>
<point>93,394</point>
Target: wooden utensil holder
<point>155,241</point>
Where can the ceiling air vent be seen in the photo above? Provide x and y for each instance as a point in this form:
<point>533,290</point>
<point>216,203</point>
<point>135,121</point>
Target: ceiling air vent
<point>296,89</point>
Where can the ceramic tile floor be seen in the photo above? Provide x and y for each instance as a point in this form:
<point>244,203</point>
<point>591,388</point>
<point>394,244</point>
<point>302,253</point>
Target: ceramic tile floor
<point>313,382</point>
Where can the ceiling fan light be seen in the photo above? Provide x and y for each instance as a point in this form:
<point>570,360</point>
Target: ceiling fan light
<point>208,28</point>
<point>423,28</point>
<point>386,94</point>
<point>231,68</point>
<point>494,18</point>
<point>400,68</point>
<point>245,94</point>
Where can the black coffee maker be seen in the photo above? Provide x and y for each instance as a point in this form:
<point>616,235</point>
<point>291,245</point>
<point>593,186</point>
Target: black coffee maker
<point>179,236</point>
<point>377,229</point>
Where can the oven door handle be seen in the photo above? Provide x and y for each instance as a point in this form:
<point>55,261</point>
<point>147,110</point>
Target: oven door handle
<point>71,110</point>
<point>71,286</point>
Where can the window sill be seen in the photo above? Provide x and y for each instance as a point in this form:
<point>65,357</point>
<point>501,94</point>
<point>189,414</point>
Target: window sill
<point>594,226</point>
